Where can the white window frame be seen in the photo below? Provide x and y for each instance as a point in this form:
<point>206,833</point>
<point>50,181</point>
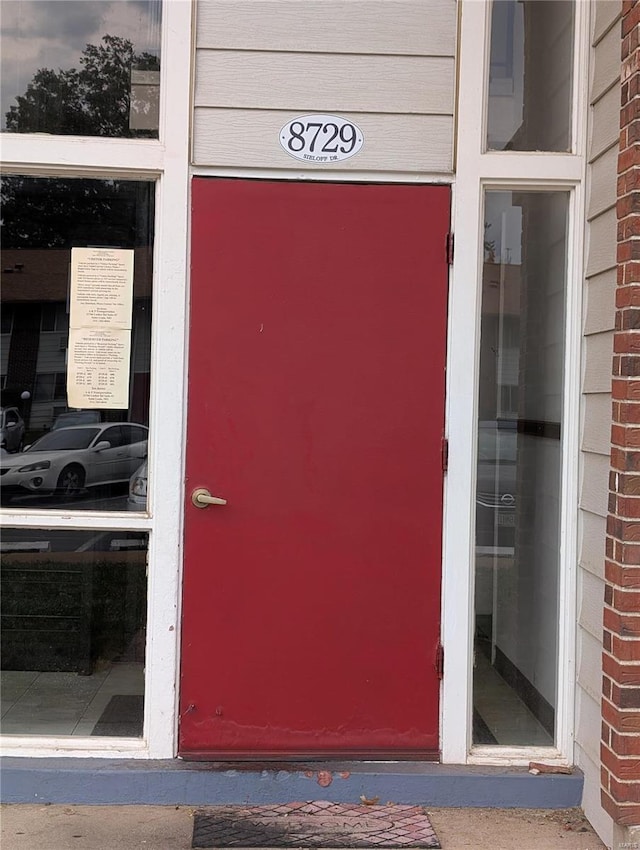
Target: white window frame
<point>478,171</point>
<point>166,161</point>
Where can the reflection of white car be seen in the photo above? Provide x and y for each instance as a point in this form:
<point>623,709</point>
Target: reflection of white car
<point>67,460</point>
<point>137,500</point>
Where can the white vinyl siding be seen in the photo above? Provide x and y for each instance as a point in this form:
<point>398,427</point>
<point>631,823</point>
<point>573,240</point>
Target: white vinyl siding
<point>388,67</point>
<point>598,324</point>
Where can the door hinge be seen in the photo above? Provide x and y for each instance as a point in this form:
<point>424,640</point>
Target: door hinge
<point>449,249</point>
<point>445,454</point>
<point>440,660</point>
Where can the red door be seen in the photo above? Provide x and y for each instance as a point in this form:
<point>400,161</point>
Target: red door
<point>311,608</point>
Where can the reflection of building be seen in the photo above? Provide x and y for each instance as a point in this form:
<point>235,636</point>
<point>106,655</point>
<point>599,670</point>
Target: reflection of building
<point>35,330</point>
<point>499,364</point>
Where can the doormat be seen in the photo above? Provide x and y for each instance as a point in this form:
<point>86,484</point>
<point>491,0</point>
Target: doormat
<point>316,824</point>
<point>122,717</point>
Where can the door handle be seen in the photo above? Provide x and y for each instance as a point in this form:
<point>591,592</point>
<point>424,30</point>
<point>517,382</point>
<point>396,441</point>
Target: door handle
<point>202,498</point>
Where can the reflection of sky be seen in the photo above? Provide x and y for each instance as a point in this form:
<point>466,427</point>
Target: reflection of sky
<point>53,33</point>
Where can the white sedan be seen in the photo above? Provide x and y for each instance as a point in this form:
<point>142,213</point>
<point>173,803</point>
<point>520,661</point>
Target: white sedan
<point>67,460</point>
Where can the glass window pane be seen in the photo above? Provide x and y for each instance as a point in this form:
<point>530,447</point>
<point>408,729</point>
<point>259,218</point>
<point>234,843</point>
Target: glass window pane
<point>81,67</point>
<point>44,219</point>
<point>530,75</point>
<point>519,467</point>
<point>73,632</point>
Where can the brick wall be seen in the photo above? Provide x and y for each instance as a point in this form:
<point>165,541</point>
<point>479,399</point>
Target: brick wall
<point>620,744</point>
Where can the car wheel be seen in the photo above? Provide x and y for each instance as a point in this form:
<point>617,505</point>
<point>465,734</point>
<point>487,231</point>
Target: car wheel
<point>70,481</point>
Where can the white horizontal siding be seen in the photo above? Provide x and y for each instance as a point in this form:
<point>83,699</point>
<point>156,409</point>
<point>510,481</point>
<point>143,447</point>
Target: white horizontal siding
<point>595,483</point>
<point>598,353</point>
<point>596,432</point>
<point>593,532</point>
<point>325,82</point>
<point>602,243</point>
<point>599,308</point>
<point>606,66</point>
<point>606,122</point>
<point>602,191</point>
<point>402,27</point>
<point>606,14</point>
<point>387,66</point>
<point>599,321</point>
<point>247,138</point>
<point>588,724</point>
<point>590,598</point>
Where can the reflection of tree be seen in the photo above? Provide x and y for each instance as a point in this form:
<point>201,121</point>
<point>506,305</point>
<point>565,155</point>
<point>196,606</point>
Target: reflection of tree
<point>57,212</point>
<point>93,100</point>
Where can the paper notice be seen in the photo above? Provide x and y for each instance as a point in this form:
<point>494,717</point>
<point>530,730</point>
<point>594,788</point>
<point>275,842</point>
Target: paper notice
<point>98,368</point>
<point>101,287</point>
<point>100,311</point>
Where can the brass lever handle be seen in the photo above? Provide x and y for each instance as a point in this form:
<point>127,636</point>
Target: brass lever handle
<point>202,498</point>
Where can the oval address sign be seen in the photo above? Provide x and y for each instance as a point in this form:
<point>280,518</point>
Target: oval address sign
<point>321,138</point>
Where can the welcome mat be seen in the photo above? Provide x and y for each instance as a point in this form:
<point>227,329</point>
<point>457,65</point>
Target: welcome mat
<point>122,717</point>
<point>317,824</point>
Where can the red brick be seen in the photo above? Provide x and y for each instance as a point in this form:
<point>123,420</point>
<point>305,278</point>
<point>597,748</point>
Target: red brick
<point>631,274</point>
<point>628,204</point>
<point>623,576</point>
<point>625,625</point>
<point>628,414</point>
<point>624,529</point>
<point>625,460</point>
<point>625,745</point>
<point>606,687</point>
<point>624,674</point>
<point>626,650</point>
<point>626,769</point>
<point>633,130</point>
<point>628,485</point>
<point>631,156</point>
<point>629,250</point>
<point>628,698</point>
<point>630,557</point>
<point>630,19</point>
<point>630,319</point>
<point>628,182</point>
<point>628,506</point>
<point>624,792</point>
<point>627,601</point>
<point>607,642</point>
<point>623,814</point>
<point>625,390</point>
<point>629,342</point>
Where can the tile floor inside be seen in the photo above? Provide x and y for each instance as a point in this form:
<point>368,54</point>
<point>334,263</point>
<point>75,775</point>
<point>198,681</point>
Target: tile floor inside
<point>506,716</point>
<point>33,703</point>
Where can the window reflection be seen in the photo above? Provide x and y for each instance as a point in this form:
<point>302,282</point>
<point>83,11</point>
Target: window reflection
<point>53,455</point>
<point>519,467</point>
<point>530,75</point>
<point>81,67</point>
<point>73,632</point>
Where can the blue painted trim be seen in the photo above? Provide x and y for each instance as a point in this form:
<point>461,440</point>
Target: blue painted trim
<point>126,782</point>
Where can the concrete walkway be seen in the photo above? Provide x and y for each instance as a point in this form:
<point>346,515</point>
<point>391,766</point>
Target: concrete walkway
<point>52,827</point>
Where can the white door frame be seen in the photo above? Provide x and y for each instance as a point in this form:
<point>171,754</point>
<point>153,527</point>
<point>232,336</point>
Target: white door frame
<point>476,171</point>
<point>166,161</point>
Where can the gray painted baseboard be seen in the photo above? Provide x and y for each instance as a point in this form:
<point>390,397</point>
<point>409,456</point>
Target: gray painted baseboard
<point>174,782</point>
